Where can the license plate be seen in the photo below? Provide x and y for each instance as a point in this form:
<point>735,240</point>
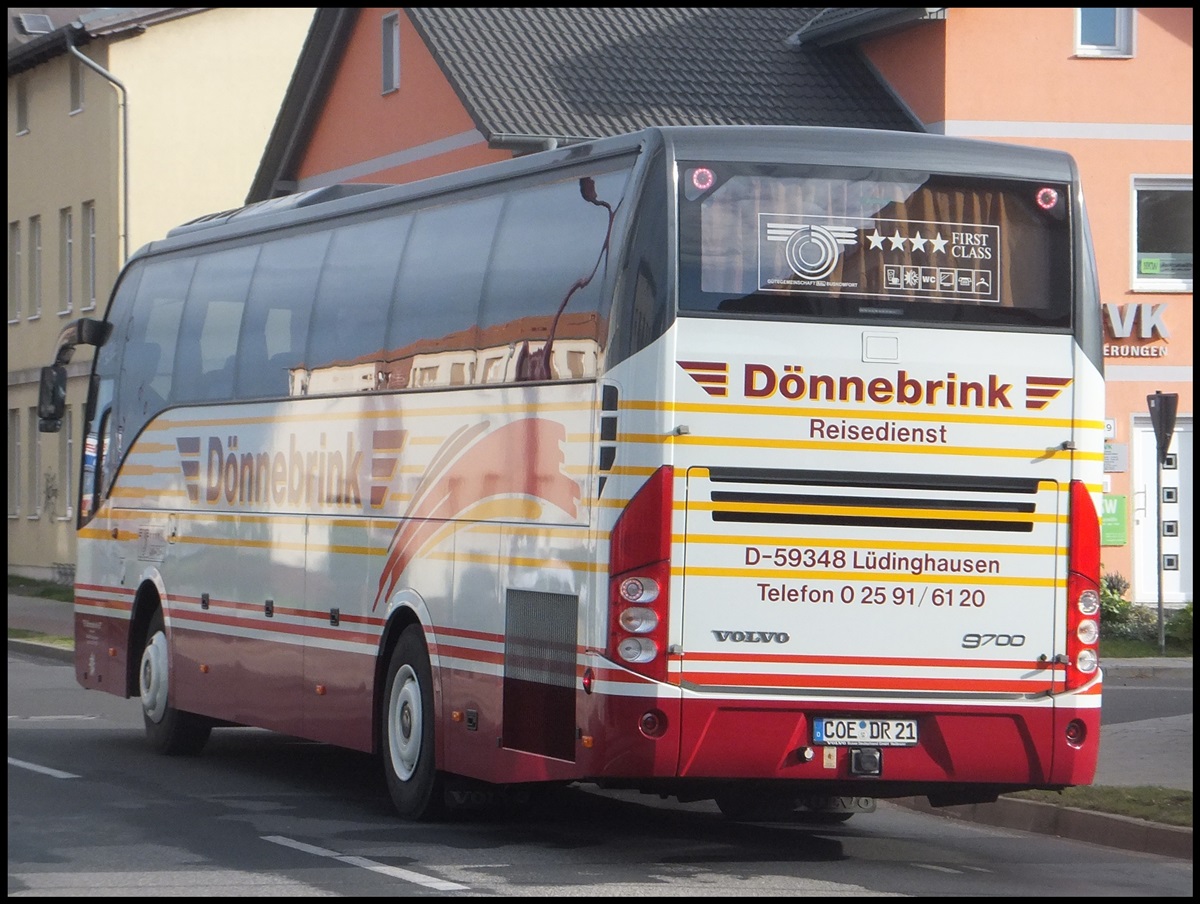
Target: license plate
<point>869,732</point>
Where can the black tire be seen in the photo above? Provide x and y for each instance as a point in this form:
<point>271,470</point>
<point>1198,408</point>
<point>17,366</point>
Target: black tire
<point>407,727</point>
<point>168,730</point>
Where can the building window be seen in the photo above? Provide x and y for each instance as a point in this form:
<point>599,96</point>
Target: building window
<point>76,85</point>
<point>1104,32</point>
<point>89,255</point>
<point>66,455</point>
<point>22,107</point>
<point>14,462</point>
<point>35,267</point>
<point>1162,234</point>
<point>66,260</point>
<point>391,52</point>
<point>14,272</point>
<point>34,459</point>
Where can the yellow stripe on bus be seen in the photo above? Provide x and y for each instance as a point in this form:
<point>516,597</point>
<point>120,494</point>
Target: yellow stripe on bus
<point>777,574</point>
<point>889,415</point>
<point>415,410</point>
<point>1047,454</point>
<point>923,546</point>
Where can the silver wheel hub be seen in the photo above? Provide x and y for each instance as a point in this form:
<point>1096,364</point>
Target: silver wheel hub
<point>152,677</point>
<point>404,723</point>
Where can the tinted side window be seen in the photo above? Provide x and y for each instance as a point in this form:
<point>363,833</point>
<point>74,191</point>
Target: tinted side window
<point>275,327</point>
<point>641,310</point>
<point>432,336</point>
<point>148,347</point>
<point>206,354</point>
<point>345,345</point>
<point>548,273</point>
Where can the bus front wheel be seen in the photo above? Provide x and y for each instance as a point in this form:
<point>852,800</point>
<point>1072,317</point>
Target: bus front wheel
<point>413,781</point>
<point>168,729</point>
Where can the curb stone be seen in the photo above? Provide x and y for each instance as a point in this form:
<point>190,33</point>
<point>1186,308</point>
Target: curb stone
<point>1106,829</point>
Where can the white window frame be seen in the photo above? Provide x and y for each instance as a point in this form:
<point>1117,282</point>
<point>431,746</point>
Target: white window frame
<point>14,271</point>
<point>33,458</point>
<point>89,255</point>
<point>66,260</point>
<point>14,462</point>
<point>35,267</point>
<point>1139,183</point>
<point>390,53</point>
<point>1122,46</point>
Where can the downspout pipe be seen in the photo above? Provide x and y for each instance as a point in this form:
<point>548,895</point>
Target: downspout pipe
<point>104,73</point>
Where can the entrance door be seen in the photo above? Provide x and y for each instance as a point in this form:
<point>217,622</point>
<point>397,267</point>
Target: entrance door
<point>1175,503</point>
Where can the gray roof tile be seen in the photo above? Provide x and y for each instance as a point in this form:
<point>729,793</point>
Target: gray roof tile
<point>595,71</point>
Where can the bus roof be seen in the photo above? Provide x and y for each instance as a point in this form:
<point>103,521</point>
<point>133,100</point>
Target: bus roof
<point>822,146</point>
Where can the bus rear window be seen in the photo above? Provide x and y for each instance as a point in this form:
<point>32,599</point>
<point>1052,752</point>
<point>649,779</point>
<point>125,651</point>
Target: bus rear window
<point>854,244</point>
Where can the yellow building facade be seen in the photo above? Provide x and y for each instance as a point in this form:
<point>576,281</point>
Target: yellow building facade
<point>164,121</point>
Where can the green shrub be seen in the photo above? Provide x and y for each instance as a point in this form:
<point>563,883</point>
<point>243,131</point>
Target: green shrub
<point>1179,627</point>
<point>1115,610</point>
<point>1140,623</point>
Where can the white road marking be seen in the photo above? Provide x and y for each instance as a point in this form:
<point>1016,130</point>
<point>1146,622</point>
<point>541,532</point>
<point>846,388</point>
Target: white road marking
<point>393,871</point>
<point>44,770</point>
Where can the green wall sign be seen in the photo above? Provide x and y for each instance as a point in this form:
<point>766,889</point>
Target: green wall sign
<point>1114,520</point>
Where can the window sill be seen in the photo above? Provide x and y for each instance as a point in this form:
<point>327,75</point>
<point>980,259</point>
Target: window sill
<point>1179,288</point>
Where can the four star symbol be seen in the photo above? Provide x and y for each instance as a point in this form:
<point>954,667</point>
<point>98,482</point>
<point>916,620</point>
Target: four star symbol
<point>916,242</point>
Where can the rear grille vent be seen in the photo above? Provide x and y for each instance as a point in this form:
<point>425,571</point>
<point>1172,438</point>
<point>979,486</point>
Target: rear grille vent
<point>902,501</point>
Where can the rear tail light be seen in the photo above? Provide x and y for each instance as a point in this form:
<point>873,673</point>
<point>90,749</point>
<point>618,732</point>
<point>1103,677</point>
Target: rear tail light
<point>639,578</point>
<point>1083,588</point>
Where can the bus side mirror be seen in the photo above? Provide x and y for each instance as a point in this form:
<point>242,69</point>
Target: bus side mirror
<point>94,332</point>
<point>52,398</point>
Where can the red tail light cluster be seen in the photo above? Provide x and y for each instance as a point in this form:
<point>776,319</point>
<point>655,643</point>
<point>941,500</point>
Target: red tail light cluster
<point>640,578</point>
<point>1083,588</point>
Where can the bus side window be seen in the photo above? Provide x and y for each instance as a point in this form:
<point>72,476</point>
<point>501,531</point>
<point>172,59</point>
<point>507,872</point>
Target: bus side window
<point>432,337</point>
<point>546,273</point>
<point>212,316</point>
<point>275,325</point>
<point>640,307</point>
<point>148,354</point>
<point>345,343</point>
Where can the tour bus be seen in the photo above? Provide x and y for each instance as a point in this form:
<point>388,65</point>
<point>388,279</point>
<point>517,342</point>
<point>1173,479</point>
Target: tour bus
<point>748,464</point>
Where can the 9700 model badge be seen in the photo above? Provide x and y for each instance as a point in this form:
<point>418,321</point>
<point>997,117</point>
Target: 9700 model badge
<point>752,636</point>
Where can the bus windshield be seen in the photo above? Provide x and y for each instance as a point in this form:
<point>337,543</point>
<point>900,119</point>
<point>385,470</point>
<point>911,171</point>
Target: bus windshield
<point>849,243</point>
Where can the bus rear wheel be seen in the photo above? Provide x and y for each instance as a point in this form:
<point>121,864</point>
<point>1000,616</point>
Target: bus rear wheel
<point>409,765</point>
<point>169,730</point>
